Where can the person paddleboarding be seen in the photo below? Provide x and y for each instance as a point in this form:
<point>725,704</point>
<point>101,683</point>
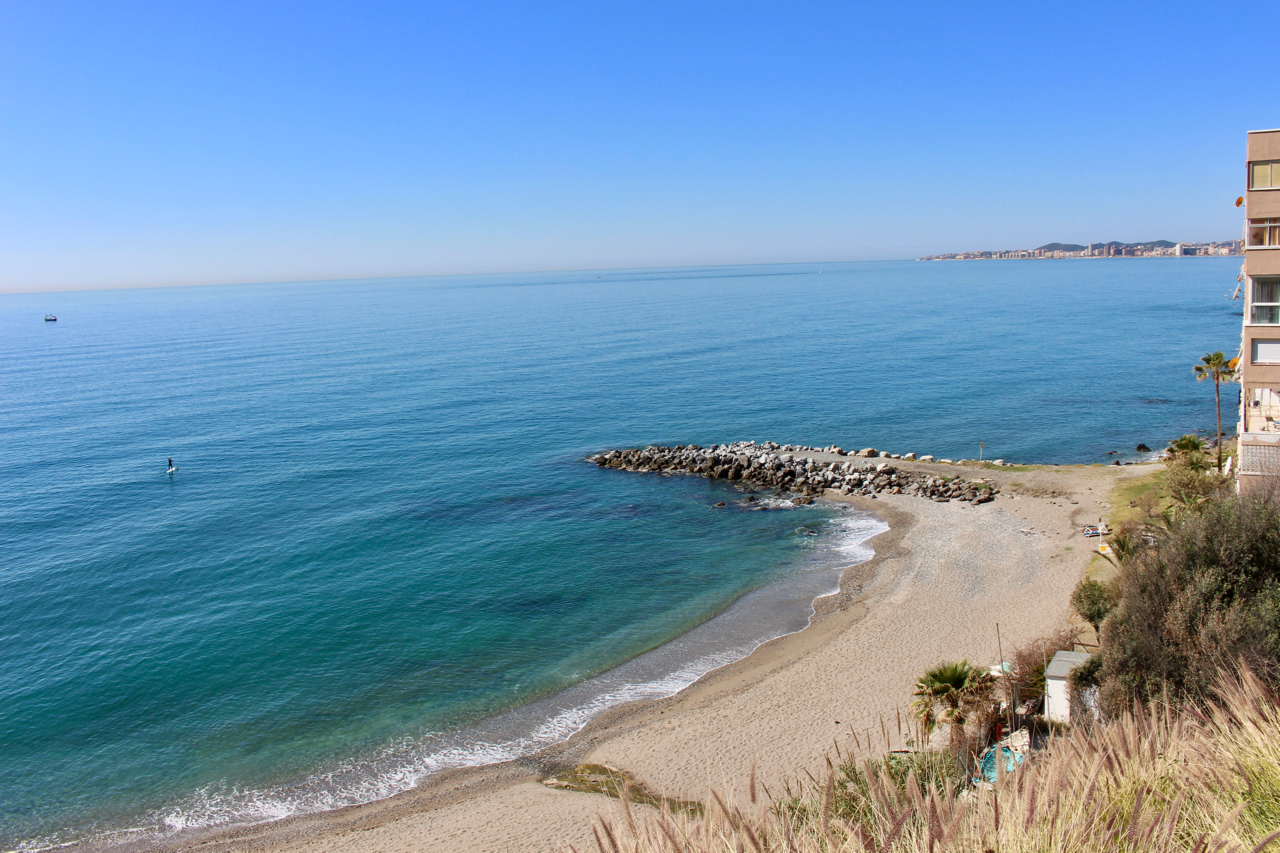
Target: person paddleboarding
<point>172,467</point>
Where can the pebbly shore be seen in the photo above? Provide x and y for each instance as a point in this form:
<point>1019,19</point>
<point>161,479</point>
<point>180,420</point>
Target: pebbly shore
<point>808,472</point>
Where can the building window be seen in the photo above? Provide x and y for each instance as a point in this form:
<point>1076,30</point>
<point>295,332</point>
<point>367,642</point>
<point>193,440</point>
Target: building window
<point>1265,351</point>
<point>1263,234</point>
<point>1264,175</point>
<point>1266,301</point>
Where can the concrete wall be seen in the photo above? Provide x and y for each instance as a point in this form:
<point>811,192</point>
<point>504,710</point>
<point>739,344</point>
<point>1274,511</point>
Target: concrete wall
<point>1263,145</point>
<point>1263,204</point>
<point>1262,261</point>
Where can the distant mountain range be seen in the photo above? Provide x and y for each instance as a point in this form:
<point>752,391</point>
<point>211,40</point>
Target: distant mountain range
<point>1072,247</point>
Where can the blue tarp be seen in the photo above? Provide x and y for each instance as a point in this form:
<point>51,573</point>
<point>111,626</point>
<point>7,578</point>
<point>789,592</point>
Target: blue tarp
<point>987,767</point>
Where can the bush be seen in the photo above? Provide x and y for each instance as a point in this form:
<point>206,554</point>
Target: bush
<point>1188,486</point>
<point>1025,682</point>
<point>1093,600</point>
<point>1206,596</point>
<point>1087,674</point>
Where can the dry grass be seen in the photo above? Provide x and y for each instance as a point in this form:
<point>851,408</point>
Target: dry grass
<point>1136,499</point>
<point>1025,681</point>
<point>1160,779</point>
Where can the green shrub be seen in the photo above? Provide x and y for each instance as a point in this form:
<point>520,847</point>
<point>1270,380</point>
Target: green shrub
<point>1093,600</point>
<point>1207,596</point>
<point>1188,486</point>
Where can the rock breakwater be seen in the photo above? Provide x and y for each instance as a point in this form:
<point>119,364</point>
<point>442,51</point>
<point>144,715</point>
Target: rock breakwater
<point>807,471</point>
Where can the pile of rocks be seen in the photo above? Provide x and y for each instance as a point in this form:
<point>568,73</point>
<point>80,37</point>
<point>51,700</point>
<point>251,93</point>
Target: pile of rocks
<point>797,469</point>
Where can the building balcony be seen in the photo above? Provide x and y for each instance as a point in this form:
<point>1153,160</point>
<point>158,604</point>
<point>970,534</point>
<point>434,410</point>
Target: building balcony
<point>1263,417</point>
<point>1258,451</point>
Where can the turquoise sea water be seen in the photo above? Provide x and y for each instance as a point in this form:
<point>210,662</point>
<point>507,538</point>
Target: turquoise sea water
<point>383,552</point>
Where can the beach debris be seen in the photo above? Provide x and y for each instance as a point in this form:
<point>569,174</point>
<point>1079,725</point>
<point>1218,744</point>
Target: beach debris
<point>767,465</point>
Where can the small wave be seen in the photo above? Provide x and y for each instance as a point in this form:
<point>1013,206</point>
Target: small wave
<point>851,535</point>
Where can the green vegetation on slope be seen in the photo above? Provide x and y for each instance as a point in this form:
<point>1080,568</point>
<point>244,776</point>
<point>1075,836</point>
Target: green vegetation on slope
<point>1154,779</point>
<point>1187,757</point>
<point>1204,596</point>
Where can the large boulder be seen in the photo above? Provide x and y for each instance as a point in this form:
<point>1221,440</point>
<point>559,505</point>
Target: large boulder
<point>868,453</point>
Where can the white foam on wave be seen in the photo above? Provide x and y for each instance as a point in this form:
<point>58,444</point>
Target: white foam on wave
<point>405,764</point>
<point>851,535</point>
<point>564,725</point>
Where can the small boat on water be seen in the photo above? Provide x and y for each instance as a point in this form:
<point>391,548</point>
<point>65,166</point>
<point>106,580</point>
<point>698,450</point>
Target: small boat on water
<point>49,318</point>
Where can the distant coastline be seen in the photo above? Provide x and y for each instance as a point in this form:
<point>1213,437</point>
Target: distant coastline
<point>1114,249</point>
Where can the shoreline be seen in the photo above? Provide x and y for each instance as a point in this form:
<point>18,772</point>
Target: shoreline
<point>459,784</point>
<point>641,738</point>
<point>689,658</point>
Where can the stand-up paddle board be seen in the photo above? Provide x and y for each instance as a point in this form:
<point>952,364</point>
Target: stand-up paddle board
<point>171,470</point>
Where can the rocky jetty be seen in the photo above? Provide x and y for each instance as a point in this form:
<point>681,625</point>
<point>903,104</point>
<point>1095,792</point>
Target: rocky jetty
<point>802,470</point>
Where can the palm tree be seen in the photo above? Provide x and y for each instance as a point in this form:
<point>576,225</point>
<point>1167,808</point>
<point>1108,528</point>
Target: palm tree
<point>955,688</point>
<point>1215,366</point>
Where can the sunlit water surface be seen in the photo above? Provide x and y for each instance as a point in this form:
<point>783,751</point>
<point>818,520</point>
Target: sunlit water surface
<point>384,554</point>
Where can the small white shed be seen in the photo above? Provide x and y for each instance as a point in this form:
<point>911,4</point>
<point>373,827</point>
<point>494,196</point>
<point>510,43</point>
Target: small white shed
<point>1057,692</point>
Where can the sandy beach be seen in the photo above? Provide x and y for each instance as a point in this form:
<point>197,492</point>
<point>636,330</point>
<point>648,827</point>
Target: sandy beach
<point>944,576</point>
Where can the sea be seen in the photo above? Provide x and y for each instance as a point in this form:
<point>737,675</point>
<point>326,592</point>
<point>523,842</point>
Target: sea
<point>384,553</point>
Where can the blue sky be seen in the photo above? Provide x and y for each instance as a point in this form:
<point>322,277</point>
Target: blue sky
<point>182,143</point>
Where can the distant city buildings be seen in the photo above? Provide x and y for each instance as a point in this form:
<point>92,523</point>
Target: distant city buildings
<point>1259,362</point>
<point>1155,249</point>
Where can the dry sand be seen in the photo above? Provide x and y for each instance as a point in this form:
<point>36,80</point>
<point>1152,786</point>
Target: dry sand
<point>944,575</point>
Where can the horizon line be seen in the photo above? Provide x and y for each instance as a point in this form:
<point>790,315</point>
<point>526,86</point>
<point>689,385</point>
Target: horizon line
<point>272,282</point>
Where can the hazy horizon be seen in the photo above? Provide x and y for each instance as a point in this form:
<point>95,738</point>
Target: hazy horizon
<point>146,145</point>
<point>269,283</point>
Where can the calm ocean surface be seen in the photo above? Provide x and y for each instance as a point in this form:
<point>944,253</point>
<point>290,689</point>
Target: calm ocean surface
<point>383,553</point>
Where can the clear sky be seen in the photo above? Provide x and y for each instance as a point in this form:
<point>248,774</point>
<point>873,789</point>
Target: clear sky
<point>151,143</point>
